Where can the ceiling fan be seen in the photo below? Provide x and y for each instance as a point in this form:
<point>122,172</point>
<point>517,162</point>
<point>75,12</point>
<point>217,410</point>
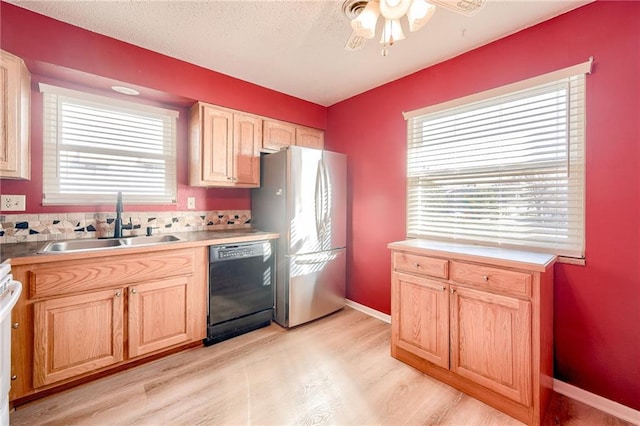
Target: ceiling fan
<point>364,17</point>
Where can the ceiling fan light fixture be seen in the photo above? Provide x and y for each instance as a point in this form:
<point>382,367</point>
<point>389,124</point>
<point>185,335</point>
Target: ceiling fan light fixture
<point>419,13</point>
<point>394,9</point>
<point>364,25</point>
<point>364,15</point>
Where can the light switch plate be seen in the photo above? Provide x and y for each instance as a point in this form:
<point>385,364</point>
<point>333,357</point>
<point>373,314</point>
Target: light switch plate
<point>191,203</point>
<point>13,203</point>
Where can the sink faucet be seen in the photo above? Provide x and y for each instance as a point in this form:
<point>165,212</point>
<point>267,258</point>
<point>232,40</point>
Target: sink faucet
<point>117,227</point>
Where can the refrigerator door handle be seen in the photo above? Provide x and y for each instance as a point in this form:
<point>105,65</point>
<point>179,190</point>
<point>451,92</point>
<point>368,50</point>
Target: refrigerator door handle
<point>323,201</point>
<point>319,200</point>
<point>326,202</point>
<point>308,259</point>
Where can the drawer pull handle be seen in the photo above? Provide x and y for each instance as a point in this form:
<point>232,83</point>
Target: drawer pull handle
<point>485,278</point>
<point>416,264</point>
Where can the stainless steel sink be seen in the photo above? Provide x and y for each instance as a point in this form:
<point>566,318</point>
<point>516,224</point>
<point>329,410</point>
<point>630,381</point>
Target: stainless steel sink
<point>154,239</point>
<point>105,244</point>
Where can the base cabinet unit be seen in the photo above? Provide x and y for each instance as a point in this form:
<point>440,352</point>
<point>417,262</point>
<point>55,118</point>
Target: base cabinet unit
<point>479,319</point>
<point>422,324</point>
<point>491,341</point>
<point>77,334</point>
<point>86,316</point>
<point>157,315</point>
<point>224,147</point>
<point>15,104</point>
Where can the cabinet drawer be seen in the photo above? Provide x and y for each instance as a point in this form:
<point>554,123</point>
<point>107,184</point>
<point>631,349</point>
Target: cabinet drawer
<point>485,277</point>
<point>77,276</point>
<point>420,264</point>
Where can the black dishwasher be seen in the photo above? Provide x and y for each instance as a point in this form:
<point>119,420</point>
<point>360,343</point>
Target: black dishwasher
<point>241,278</point>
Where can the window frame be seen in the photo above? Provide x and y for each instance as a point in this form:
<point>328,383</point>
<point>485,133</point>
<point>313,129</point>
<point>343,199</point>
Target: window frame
<point>575,254</point>
<point>165,158</point>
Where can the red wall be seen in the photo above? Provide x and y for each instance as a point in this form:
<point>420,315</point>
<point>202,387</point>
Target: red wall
<point>597,306</point>
<point>41,39</point>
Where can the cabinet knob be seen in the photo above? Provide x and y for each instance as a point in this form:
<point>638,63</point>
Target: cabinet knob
<point>14,377</point>
<point>452,290</point>
<point>416,264</point>
<point>442,288</point>
<point>134,291</point>
<point>118,294</point>
<point>15,325</point>
<point>229,178</point>
<point>485,278</point>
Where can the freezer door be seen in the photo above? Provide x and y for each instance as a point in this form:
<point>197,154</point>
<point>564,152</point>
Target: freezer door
<point>316,285</point>
<point>316,200</point>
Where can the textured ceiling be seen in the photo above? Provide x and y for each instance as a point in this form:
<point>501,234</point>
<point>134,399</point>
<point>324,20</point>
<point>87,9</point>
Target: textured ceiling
<point>294,47</point>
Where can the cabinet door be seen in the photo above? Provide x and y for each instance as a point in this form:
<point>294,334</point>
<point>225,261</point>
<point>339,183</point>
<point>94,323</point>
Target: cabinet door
<point>278,135</point>
<point>247,140</point>
<point>420,317</point>
<point>491,341</point>
<point>76,334</point>
<point>217,145</point>
<point>15,92</point>
<point>310,138</point>
<point>159,315</point>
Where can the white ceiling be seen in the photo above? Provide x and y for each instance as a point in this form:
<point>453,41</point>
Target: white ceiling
<point>294,47</point>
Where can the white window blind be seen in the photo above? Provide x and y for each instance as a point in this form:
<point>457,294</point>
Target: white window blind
<point>95,146</point>
<point>502,168</point>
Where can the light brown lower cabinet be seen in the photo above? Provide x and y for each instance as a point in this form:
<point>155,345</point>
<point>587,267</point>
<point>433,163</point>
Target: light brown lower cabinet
<point>158,315</point>
<point>84,316</point>
<point>479,320</point>
<point>77,334</point>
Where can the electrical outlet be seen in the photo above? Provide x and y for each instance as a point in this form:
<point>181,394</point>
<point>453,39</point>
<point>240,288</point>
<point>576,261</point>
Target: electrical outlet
<point>191,203</point>
<point>13,203</point>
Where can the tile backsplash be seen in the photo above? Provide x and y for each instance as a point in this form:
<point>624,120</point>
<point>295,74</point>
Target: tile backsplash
<point>17,228</point>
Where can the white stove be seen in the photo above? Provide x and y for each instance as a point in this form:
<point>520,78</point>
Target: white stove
<point>9,294</point>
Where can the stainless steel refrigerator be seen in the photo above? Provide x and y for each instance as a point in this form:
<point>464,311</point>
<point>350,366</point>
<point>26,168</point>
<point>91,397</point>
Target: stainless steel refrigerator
<point>303,197</point>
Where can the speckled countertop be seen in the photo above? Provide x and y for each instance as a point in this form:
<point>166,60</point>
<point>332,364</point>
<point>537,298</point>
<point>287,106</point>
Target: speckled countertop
<point>27,253</point>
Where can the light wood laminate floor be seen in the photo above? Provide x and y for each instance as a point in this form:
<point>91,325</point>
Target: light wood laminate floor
<point>334,371</point>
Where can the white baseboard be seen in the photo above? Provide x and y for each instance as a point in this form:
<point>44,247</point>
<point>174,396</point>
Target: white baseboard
<point>369,311</point>
<point>603,404</point>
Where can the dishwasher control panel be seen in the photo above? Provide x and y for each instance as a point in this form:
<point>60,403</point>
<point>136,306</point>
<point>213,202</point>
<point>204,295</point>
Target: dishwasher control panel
<point>238,251</point>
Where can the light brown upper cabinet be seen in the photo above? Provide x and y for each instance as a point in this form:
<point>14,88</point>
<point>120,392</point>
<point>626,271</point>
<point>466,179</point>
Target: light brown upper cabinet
<point>224,147</point>
<point>280,134</point>
<point>15,158</point>
<point>311,138</point>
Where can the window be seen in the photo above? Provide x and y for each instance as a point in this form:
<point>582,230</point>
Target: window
<point>503,167</point>
<point>95,146</point>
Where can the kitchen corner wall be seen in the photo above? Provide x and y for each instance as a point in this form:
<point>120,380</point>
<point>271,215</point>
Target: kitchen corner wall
<point>18,228</point>
<point>597,306</point>
<point>76,55</point>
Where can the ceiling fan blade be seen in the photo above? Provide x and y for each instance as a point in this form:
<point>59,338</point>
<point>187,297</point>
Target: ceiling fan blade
<point>355,42</point>
<point>464,7</point>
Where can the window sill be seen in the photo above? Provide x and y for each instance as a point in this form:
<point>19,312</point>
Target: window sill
<point>572,261</point>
